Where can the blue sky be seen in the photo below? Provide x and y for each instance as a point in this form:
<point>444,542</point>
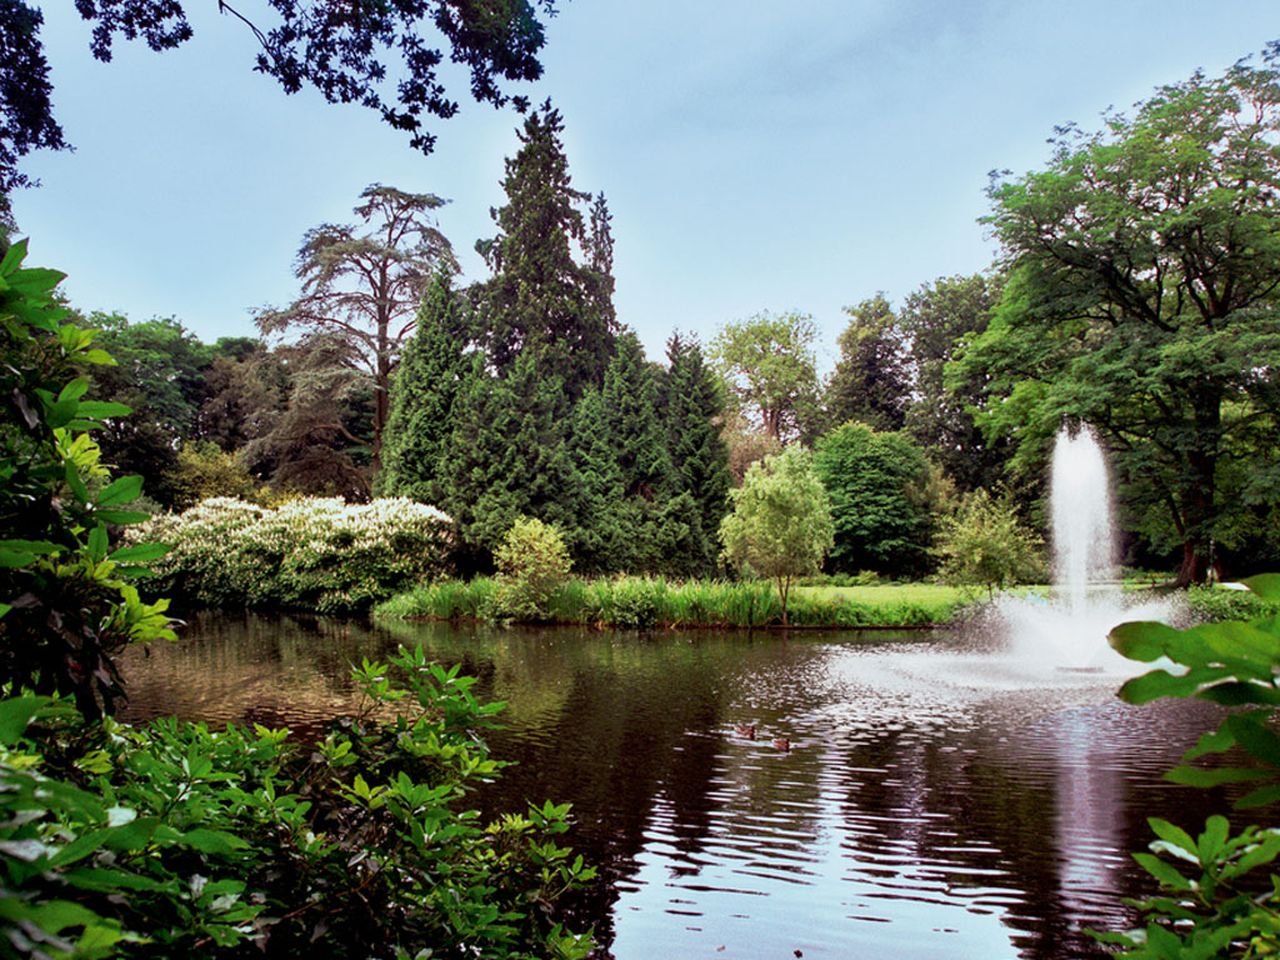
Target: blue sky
<point>756,155</point>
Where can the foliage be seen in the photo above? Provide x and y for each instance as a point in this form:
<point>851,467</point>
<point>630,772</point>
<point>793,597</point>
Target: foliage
<point>780,527</point>
<point>540,298</point>
<point>533,563</point>
<point>509,456</point>
<point>205,471</point>
<point>1145,277</point>
<point>872,381</point>
<point>1215,903</point>
<point>174,840</point>
<point>361,286</point>
<point>246,390</point>
<point>936,320</point>
<point>319,554</point>
<point>656,602</point>
<point>692,407</point>
<point>66,604</point>
<point>425,388</point>
<point>318,43</point>
<point>768,363</point>
<point>1212,602</point>
<point>745,445</point>
<point>984,544</point>
<point>880,489</point>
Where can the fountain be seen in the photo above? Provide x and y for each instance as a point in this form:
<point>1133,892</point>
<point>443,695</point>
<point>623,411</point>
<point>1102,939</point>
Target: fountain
<point>1069,628</point>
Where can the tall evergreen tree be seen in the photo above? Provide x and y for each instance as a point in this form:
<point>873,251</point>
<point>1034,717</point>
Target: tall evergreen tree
<point>432,372</point>
<point>604,540</point>
<point>540,297</point>
<point>509,455</point>
<point>631,410</point>
<point>692,405</point>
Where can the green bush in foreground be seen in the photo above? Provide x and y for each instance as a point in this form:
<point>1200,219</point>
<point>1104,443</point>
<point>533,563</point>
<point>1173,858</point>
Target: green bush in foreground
<point>171,840</point>
<point>315,553</point>
<point>1220,891</point>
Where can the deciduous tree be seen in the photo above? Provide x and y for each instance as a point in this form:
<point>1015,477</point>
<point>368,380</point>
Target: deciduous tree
<point>872,379</point>
<point>1144,296</point>
<point>780,527</point>
<point>769,365</point>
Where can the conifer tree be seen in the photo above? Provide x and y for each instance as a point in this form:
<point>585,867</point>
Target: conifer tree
<point>631,410</point>
<point>432,372</point>
<point>540,297</point>
<point>692,406</point>
<point>509,456</point>
<point>603,544</point>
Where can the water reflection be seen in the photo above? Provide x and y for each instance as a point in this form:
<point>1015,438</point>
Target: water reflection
<point>931,803</point>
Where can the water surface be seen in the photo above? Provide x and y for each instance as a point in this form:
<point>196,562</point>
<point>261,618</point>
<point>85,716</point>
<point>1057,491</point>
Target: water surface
<point>933,801</point>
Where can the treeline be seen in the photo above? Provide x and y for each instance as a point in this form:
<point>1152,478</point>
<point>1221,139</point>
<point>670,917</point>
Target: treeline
<point>523,394</point>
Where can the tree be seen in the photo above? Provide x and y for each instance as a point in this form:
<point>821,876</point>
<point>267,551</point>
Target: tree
<point>693,407</point>
<point>344,51</point>
<point>769,365</point>
<point>246,390</point>
<point>872,379</point>
<point>780,527</point>
<point>363,289</point>
<point>1145,276</point>
<point>159,374</point>
<point>936,319</point>
<point>509,456</point>
<point>630,398</point>
<point>879,485</point>
<point>432,373</point>
<point>984,544</point>
<point>540,297</point>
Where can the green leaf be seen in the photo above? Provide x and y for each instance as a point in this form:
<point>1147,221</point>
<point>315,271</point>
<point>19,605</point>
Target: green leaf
<point>1262,797</point>
<point>15,714</point>
<point>123,490</point>
<point>98,543</point>
<point>213,841</point>
<point>102,409</point>
<point>1172,835</point>
<point>1210,842</point>
<point>1195,777</point>
<point>99,357</point>
<point>1215,741</point>
<point>1251,732</point>
<point>13,257</point>
<point>1164,872</point>
<point>1143,640</point>
<point>1157,684</point>
<point>141,553</point>
<point>122,517</point>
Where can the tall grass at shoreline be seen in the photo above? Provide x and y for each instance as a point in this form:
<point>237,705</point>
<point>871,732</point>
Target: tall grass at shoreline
<point>654,602</point>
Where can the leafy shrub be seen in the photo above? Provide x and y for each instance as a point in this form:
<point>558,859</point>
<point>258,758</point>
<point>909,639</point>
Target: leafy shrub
<point>173,840</point>
<point>533,563</point>
<point>984,544</point>
<point>1219,603</point>
<point>1214,902</point>
<point>320,554</point>
<point>204,470</point>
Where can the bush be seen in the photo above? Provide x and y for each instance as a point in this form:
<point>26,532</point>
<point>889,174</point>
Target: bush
<point>172,840</point>
<point>533,563</point>
<point>205,470</point>
<point>1212,603</point>
<point>312,553</point>
<point>984,544</point>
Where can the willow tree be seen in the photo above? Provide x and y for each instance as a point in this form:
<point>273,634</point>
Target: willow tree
<point>362,284</point>
<point>1144,288</point>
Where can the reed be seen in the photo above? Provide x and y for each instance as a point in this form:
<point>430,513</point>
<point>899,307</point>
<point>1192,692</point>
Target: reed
<point>643,603</point>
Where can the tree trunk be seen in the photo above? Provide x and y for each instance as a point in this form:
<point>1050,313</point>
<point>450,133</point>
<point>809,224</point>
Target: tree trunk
<point>1199,502</point>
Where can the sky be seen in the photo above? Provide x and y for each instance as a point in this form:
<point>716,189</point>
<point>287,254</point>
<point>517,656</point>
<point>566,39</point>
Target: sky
<point>755,155</point>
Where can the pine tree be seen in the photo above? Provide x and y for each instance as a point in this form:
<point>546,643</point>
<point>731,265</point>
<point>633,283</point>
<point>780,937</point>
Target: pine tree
<point>604,543</point>
<point>509,456</point>
<point>631,411</point>
<point>692,406</point>
<point>540,297</point>
<point>431,374</point>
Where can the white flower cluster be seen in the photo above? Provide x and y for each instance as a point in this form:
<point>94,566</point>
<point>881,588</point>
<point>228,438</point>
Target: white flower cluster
<point>316,553</point>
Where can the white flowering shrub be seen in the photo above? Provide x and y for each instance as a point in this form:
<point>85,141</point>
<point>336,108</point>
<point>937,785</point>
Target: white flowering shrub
<point>314,553</point>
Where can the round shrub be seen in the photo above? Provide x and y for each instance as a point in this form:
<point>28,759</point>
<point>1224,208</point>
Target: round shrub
<point>533,563</point>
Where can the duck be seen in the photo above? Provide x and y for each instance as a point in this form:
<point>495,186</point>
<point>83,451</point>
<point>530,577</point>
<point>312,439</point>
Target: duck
<point>747,730</point>
<point>783,744</point>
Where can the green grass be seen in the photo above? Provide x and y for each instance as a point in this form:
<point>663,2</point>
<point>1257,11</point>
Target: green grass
<point>649,602</point>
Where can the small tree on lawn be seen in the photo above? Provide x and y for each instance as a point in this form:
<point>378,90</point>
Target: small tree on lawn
<point>985,544</point>
<point>780,526</point>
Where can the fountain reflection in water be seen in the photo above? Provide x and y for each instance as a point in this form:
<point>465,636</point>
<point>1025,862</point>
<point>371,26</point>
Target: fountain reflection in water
<point>1067,630</point>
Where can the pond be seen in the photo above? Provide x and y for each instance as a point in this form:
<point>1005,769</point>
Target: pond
<point>930,801</point>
